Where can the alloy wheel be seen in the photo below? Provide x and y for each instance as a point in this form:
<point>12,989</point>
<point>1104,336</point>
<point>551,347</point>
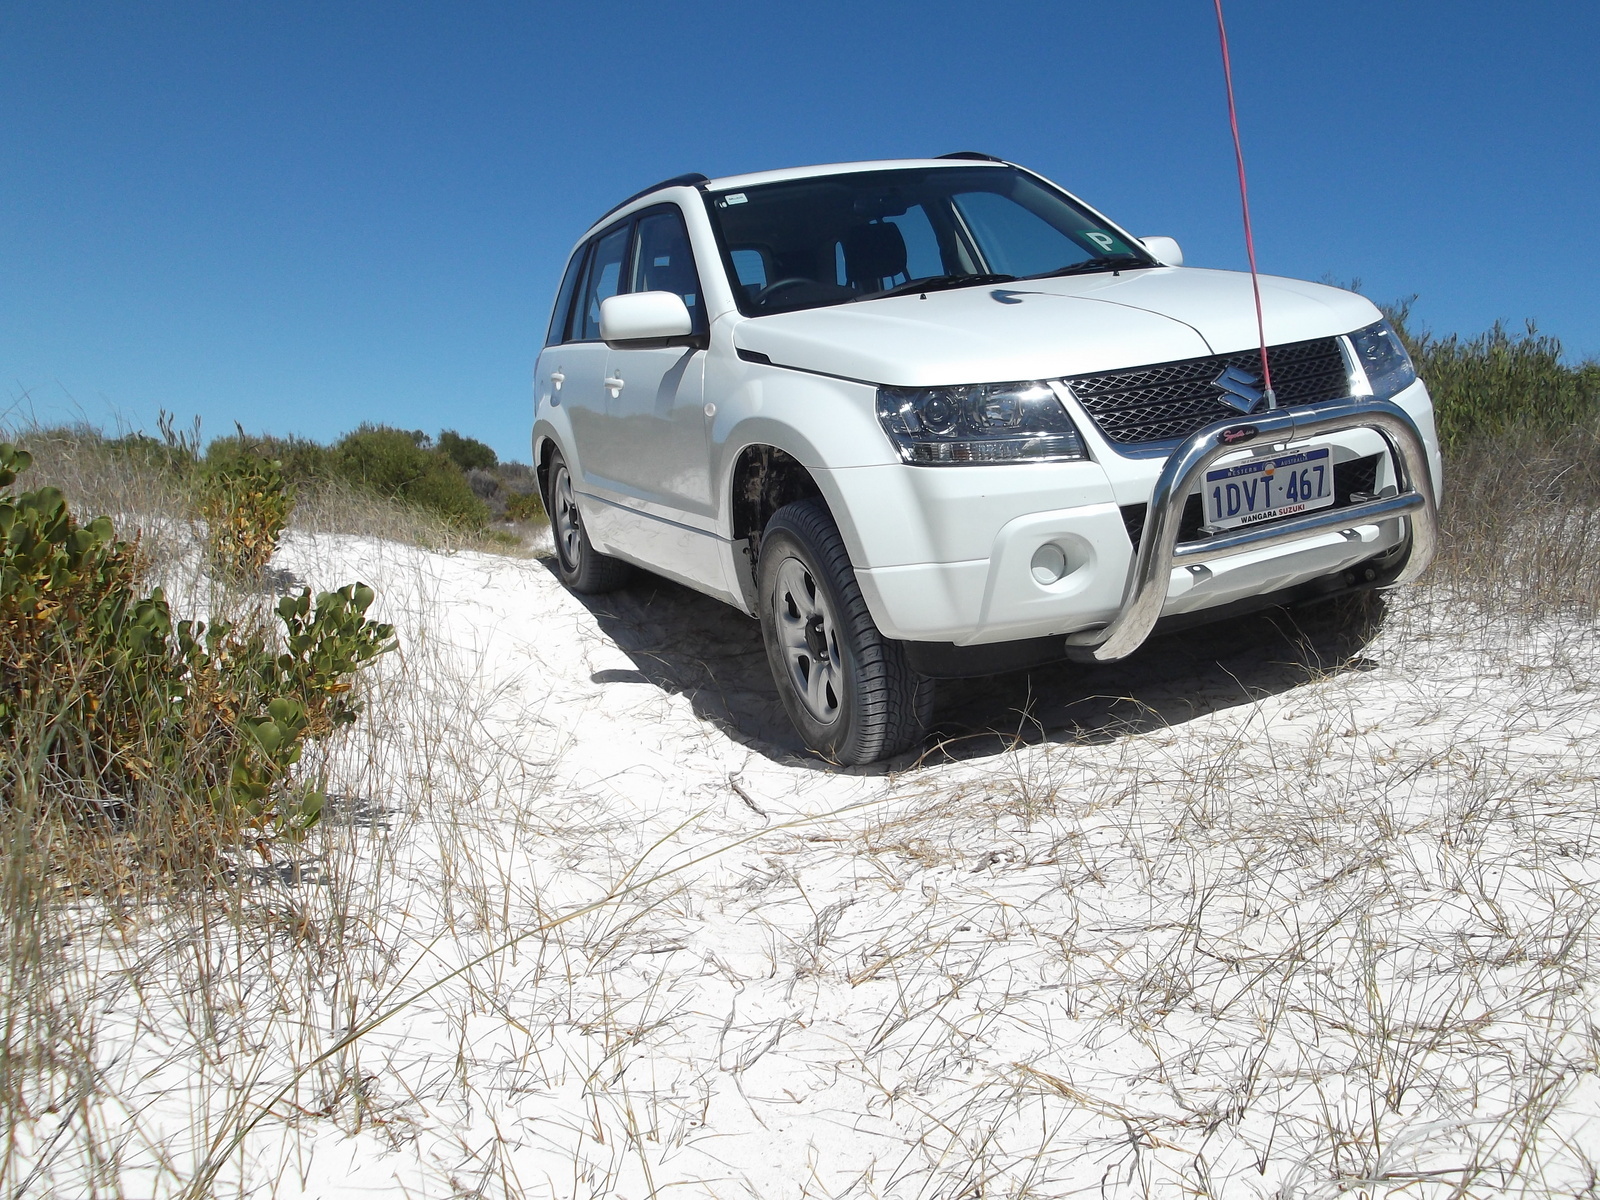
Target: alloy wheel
<point>809,638</point>
<point>568,530</point>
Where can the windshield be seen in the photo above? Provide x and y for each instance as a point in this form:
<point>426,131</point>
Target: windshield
<point>833,239</point>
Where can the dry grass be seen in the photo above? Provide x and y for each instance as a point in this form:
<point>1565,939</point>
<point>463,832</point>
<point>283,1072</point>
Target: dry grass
<point>1522,523</point>
<point>1294,952</point>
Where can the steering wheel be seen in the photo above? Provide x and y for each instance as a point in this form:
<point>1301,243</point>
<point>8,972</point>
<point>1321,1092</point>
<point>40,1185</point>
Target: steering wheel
<point>779,286</point>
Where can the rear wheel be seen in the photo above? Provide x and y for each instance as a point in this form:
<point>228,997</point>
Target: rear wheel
<point>847,688</point>
<point>581,567</point>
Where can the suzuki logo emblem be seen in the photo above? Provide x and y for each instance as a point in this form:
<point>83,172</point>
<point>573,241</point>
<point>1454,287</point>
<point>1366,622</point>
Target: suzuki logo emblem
<point>1239,388</point>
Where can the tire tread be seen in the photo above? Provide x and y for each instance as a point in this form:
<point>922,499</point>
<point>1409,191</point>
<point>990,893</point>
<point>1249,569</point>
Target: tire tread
<point>895,704</point>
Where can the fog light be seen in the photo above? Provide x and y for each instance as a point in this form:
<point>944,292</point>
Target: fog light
<point>1049,563</point>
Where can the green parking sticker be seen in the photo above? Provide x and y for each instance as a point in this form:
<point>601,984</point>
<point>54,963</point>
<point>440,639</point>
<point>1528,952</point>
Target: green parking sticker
<point>1105,241</point>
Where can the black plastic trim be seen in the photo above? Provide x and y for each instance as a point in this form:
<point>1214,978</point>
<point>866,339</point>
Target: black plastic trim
<point>974,156</point>
<point>755,356</point>
<point>688,180</point>
<point>691,341</point>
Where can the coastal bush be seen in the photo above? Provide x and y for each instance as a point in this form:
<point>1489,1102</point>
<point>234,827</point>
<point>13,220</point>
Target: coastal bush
<point>245,500</point>
<point>467,453</point>
<point>405,466</point>
<point>526,508</point>
<point>109,708</point>
<point>1486,386</point>
<point>304,461</point>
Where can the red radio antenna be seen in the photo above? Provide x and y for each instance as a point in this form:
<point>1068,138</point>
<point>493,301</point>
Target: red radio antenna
<point>1244,203</point>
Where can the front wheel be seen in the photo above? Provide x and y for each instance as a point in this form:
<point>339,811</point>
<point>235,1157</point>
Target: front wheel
<point>848,689</point>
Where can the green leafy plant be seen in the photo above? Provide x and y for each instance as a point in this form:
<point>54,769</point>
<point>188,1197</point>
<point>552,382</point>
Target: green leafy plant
<point>107,701</point>
<point>245,500</point>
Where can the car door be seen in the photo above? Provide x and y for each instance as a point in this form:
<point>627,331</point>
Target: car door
<point>657,446</point>
<point>579,367</point>
<point>659,430</point>
<point>549,373</point>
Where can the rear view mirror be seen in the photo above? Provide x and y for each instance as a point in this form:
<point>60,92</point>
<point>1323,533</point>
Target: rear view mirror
<point>639,320</point>
<point>1165,250</point>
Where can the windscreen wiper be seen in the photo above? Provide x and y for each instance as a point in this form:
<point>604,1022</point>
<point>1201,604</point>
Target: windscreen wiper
<point>1106,262</point>
<point>937,283</point>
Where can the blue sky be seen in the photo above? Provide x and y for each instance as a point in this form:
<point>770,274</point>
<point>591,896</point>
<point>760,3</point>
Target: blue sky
<point>302,217</point>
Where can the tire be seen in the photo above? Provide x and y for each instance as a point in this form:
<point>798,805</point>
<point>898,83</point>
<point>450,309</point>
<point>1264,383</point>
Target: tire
<point>848,689</point>
<point>581,567</point>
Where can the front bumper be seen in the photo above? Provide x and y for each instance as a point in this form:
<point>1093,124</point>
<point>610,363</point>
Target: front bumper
<point>1413,502</point>
<point>988,595</point>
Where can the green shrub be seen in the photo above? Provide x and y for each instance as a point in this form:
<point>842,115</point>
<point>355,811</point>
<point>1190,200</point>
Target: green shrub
<point>245,500</point>
<point>402,465</point>
<point>105,700</point>
<point>304,461</point>
<point>1486,386</point>
<point>525,507</point>
<point>175,452</point>
<point>467,453</point>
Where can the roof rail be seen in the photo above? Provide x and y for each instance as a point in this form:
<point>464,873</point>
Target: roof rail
<point>692,177</point>
<point>975,155</point>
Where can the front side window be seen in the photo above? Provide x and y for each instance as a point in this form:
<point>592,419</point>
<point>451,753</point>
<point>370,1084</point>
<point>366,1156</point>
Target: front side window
<point>835,239</point>
<point>663,261</point>
<point>602,281</point>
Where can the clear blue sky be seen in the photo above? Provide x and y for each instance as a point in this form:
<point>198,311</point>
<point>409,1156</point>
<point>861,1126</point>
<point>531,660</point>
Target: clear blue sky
<point>306,216</point>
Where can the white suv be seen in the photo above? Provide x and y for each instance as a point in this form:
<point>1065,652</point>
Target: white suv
<point>937,417</point>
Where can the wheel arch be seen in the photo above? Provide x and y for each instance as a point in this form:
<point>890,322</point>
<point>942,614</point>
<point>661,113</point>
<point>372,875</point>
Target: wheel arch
<point>545,447</point>
<point>764,478</point>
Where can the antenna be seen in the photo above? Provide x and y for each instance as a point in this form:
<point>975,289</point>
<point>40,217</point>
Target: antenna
<point>1244,203</point>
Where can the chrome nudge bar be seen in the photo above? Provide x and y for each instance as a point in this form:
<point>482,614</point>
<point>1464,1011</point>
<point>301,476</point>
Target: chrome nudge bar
<point>1158,548</point>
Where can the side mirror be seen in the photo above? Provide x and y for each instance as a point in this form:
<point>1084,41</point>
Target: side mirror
<point>640,320</point>
<point>1166,250</point>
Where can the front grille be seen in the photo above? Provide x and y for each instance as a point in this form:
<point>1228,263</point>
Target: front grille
<point>1169,401</point>
<point>1352,478</point>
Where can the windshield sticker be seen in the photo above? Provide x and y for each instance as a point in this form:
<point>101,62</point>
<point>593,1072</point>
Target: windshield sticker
<point>1105,241</point>
<point>733,198</point>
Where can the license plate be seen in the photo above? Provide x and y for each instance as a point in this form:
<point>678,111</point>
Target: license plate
<point>1264,488</point>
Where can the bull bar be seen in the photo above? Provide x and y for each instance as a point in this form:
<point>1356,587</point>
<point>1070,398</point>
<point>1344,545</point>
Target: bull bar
<point>1159,550</point>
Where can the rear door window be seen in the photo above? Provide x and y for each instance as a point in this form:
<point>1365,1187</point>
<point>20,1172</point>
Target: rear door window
<point>561,318</point>
<point>603,280</point>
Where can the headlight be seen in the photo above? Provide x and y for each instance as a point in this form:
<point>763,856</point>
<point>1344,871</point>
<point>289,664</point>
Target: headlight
<point>1382,368</point>
<point>982,423</point>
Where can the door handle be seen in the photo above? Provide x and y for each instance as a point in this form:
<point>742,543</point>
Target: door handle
<point>557,379</point>
<point>613,383</point>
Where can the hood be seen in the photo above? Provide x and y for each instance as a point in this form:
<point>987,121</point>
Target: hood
<point>1048,328</point>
